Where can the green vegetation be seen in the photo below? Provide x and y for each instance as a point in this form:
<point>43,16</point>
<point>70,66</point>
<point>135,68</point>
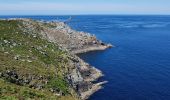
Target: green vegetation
<point>59,84</point>
<point>30,66</point>
<point>10,91</point>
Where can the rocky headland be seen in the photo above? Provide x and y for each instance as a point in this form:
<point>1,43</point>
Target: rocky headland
<point>42,56</point>
<point>60,33</point>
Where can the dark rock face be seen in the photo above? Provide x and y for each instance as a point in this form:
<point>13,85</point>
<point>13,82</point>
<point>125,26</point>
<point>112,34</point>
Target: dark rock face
<point>86,73</point>
<point>13,77</point>
<point>81,77</point>
<point>83,86</point>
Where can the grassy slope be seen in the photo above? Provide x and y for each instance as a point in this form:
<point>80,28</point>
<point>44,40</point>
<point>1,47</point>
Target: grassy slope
<point>30,56</point>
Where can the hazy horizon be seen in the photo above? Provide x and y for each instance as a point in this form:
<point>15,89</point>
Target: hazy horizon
<point>87,15</point>
<point>88,7</point>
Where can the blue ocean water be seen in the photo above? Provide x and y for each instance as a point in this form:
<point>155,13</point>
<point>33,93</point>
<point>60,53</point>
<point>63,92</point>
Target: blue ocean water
<point>138,68</point>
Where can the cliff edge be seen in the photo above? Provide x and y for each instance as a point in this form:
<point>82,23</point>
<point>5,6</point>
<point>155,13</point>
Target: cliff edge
<point>38,61</point>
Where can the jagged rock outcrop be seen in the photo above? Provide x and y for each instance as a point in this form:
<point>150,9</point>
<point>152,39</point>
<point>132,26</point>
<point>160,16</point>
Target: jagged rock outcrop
<point>62,34</point>
<point>82,76</point>
<point>79,74</point>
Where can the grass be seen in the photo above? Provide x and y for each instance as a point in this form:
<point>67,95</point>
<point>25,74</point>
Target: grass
<point>10,91</point>
<point>28,55</point>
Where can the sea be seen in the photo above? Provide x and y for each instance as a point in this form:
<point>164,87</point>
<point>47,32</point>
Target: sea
<point>138,67</point>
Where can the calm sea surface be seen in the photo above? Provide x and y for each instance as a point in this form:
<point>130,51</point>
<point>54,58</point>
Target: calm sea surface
<point>138,68</point>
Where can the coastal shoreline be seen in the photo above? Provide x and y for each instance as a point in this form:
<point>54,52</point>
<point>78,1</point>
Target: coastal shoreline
<point>82,75</point>
<point>92,48</point>
<point>76,42</point>
<point>96,87</point>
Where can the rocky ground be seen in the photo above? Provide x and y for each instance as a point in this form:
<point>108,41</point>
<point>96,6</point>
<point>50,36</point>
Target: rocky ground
<point>41,56</point>
<point>67,38</point>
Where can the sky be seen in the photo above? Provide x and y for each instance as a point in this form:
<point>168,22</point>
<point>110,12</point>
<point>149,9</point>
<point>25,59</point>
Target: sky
<point>78,7</point>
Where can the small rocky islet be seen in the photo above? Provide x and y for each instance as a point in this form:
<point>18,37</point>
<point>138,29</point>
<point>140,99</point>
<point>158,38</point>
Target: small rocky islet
<point>38,61</point>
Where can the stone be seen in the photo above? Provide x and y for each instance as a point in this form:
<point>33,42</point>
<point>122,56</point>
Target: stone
<point>14,44</point>
<point>6,41</point>
<point>84,86</point>
<point>34,36</point>
<point>17,57</point>
<point>1,74</point>
<point>102,43</point>
<point>94,42</point>
<point>29,61</point>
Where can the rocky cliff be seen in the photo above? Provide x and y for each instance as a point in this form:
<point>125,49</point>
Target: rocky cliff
<point>38,61</point>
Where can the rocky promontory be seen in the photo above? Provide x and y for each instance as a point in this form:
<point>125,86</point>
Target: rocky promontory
<point>67,38</point>
<point>41,56</point>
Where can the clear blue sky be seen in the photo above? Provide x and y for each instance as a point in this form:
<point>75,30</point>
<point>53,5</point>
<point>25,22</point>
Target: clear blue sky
<point>64,7</point>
